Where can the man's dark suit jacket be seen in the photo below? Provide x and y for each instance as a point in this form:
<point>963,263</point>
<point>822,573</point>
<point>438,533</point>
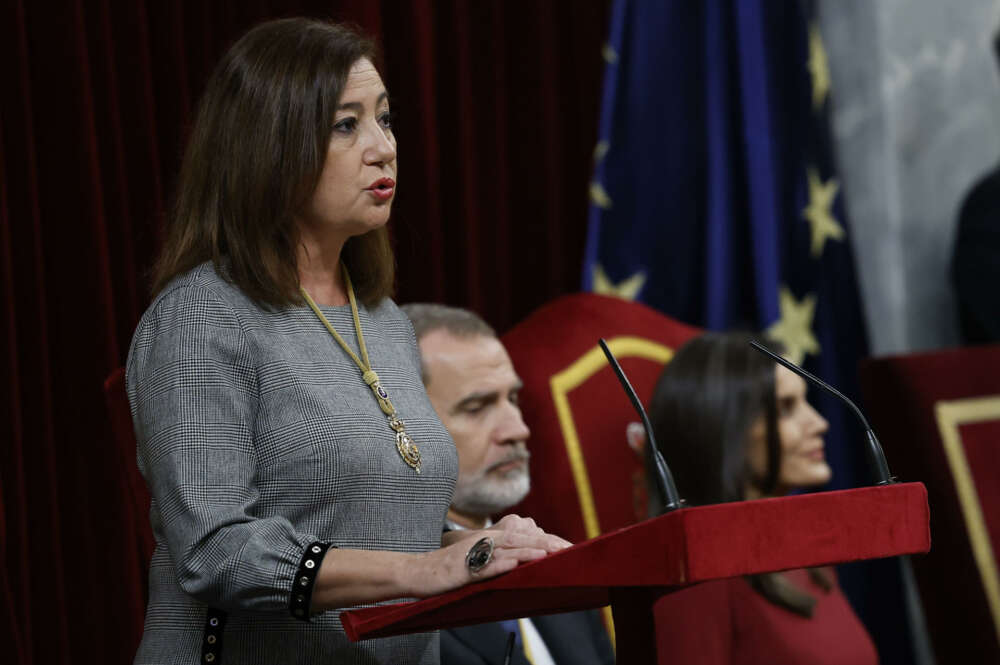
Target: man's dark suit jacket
<point>575,638</point>
<point>975,263</point>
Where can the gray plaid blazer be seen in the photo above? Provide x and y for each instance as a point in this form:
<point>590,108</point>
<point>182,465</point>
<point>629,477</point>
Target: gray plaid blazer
<point>257,437</point>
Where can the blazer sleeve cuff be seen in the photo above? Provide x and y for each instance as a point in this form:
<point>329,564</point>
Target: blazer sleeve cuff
<point>305,579</point>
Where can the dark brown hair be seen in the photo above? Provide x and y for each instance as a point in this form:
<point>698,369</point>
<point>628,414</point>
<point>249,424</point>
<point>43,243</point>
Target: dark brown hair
<point>254,158</point>
<point>705,403</point>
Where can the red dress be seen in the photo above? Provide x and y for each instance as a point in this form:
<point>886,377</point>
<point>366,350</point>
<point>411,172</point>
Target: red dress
<point>726,622</point>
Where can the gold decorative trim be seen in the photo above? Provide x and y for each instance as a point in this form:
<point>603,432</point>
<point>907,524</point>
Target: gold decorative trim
<point>561,385</point>
<point>950,416</point>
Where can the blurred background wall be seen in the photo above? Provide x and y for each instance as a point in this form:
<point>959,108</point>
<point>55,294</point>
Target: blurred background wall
<point>916,117</point>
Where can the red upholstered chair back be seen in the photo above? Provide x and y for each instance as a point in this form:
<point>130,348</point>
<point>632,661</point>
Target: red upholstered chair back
<point>137,533</point>
<point>938,418</point>
<point>585,480</point>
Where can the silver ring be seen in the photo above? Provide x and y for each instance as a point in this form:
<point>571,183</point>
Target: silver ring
<point>479,555</point>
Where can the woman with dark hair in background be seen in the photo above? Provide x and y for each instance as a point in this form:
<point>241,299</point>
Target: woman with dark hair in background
<point>295,463</point>
<point>733,425</point>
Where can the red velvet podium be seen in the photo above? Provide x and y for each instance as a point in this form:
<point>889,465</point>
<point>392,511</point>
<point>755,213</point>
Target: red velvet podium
<point>633,567</point>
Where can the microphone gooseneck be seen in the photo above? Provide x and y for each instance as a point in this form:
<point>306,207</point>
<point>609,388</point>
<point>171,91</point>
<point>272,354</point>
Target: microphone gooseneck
<point>664,479</point>
<point>876,456</point>
<point>509,650</point>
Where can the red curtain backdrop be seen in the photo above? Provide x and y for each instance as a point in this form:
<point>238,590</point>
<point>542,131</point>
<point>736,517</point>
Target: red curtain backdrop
<point>496,106</point>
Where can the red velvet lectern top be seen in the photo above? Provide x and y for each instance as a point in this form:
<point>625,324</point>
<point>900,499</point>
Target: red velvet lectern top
<point>726,622</point>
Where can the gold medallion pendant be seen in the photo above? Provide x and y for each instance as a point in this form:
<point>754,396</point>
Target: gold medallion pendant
<point>405,444</point>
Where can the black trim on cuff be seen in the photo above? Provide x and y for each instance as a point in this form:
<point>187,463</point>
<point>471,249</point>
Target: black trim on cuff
<point>305,579</point>
<point>211,643</point>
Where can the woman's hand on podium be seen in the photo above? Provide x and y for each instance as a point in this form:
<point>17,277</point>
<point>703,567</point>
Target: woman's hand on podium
<point>484,553</point>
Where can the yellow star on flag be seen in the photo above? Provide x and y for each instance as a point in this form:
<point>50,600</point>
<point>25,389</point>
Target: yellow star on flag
<point>600,150</point>
<point>794,328</point>
<point>609,54</point>
<point>819,213</point>
<point>599,196</point>
<point>818,66</point>
<point>626,290</point>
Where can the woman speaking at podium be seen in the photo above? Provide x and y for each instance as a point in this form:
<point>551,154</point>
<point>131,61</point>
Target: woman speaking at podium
<point>295,462</point>
<point>735,426</point>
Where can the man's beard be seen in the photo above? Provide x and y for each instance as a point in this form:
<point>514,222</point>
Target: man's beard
<point>490,492</point>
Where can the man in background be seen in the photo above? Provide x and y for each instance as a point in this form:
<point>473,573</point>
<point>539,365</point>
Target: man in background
<point>975,263</point>
<point>474,389</point>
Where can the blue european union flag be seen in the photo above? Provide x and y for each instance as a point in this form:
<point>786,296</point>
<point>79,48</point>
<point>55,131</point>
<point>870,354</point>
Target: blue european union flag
<point>715,200</point>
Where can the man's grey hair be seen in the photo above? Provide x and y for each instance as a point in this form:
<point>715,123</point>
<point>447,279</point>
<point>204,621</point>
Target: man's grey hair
<point>428,317</point>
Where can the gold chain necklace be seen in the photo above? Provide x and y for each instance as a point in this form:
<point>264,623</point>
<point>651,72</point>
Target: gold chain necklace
<point>405,445</point>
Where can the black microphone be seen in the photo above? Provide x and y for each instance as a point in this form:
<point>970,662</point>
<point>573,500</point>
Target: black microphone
<point>664,479</point>
<point>509,651</point>
<point>876,457</point>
